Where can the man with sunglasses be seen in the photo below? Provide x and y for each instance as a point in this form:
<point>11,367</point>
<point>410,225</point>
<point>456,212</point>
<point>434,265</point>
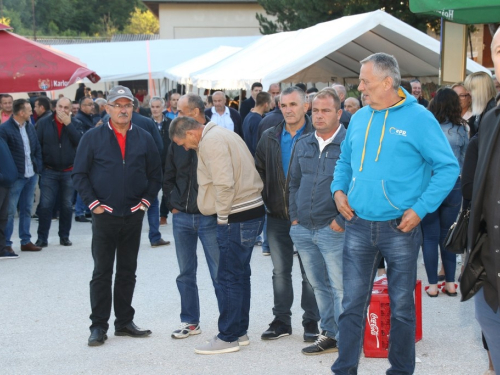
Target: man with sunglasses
<point>117,172</point>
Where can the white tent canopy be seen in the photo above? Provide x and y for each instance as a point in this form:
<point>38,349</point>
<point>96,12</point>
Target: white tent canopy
<point>123,61</point>
<point>181,73</point>
<point>326,52</point>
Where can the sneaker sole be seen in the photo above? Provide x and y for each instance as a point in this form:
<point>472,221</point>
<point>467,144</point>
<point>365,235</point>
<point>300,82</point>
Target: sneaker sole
<point>221,351</point>
<point>244,343</point>
<point>4,258</point>
<point>191,333</point>
<point>275,338</point>
<point>332,350</point>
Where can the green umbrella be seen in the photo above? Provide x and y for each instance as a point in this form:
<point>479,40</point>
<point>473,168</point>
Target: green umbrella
<point>460,11</point>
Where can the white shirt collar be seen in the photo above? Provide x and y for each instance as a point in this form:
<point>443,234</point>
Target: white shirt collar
<point>322,143</point>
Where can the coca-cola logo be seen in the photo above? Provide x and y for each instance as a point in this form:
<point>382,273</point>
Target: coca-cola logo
<point>372,321</point>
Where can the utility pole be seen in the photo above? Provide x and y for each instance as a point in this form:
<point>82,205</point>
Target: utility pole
<point>34,23</point>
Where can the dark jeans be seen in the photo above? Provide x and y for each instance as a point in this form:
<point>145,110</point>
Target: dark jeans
<point>51,183</point>
<point>121,236</point>
<point>163,207</point>
<point>187,229</point>
<point>435,226</point>
<point>281,246</point>
<point>4,213</point>
<point>236,242</point>
<point>365,243</point>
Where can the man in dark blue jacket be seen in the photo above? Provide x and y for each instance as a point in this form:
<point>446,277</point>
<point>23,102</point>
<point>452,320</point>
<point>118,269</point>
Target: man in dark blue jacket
<point>21,138</point>
<point>59,135</point>
<point>316,227</point>
<point>154,211</point>
<point>84,114</point>
<point>117,172</point>
<point>8,175</point>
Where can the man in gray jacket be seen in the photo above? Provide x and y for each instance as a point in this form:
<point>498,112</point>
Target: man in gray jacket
<point>317,225</point>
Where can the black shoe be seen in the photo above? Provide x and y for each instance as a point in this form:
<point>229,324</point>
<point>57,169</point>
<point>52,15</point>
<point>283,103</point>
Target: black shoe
<point>82,219</point>
<point>323,344</point>
<point>132,330</point>
<point>41,243</point>
<point>97,337</point>
<point>88,215</point>
<point>311,331</point>
<point>276,330</point>
<point>65,242</point>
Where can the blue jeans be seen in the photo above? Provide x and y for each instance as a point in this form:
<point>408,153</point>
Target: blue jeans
<point>80,207</point>
<point>435,226</point>
<point>22,193</point>
<point>321,253</point>
<point>281,245</point>
<point>365,243</point>
<point>236,242</point>
<point>187,229</point>
<point>154,221</point>
<point>489,321</point>
<point>51,183</point>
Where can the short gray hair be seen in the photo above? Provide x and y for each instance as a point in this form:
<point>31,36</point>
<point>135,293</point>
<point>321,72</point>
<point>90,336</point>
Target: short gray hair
<point>157,99</point>
<point>101,101</point>
<point>292,89</point>
<point>180,125</point>
<point>195,101</point>
<point>386,65</point>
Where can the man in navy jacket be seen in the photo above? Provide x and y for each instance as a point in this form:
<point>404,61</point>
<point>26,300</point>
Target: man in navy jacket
<point>59,135</point>
<point>8,175</point>
<point>20,136</point>
<point>117,172</point>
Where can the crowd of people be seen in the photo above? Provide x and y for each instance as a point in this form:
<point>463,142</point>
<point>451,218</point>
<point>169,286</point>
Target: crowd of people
<point>353,186</point>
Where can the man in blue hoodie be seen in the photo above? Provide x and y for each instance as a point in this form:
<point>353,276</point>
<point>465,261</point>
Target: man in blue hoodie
<point>395,167</point>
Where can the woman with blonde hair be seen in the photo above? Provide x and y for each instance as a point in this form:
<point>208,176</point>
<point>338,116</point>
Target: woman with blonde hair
<point>482,90</point>
<point>465,100</point>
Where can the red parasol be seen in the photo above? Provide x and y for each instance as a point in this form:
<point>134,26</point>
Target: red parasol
<point>27,66</point>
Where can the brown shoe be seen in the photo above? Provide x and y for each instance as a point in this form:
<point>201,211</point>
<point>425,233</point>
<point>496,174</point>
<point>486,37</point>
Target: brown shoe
<point>30,247</point>
<point>163,220</point>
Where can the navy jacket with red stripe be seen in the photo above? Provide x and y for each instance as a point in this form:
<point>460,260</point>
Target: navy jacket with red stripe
<point>119,185</point>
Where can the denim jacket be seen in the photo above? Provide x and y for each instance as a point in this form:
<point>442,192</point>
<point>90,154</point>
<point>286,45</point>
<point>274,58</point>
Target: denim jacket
<point>458,138</point>
<point>311,174</point>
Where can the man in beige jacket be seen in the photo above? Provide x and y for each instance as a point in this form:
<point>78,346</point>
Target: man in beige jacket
<point>230,187</point>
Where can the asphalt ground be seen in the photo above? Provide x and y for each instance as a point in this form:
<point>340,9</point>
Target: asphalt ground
<point>44,309</point>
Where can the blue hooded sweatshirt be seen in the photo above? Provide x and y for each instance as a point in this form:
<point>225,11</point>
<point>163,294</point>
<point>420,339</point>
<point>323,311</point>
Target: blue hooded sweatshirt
<point>395,159</point>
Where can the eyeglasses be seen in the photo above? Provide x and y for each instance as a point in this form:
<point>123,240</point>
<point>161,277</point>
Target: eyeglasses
<point>119,106</point>
<point>463,96</point>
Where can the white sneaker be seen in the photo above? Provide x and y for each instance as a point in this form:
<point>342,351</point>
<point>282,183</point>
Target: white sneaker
<point>217,346</point>
<point>186,330</point>
<point>378,278</point>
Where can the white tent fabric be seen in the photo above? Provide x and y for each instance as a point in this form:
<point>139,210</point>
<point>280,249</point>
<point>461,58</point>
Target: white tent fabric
<point>122,61</point>
<point>327,52</point>
<point>181,73</point>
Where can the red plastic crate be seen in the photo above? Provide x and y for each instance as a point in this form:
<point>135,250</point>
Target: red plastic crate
<point>378,320</point>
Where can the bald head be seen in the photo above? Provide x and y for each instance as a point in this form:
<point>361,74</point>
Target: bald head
<point>495,52</point>
<point>351,105</point>
<point>340,90</point>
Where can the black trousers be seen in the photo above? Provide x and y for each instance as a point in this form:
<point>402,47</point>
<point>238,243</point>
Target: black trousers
<point>4,213</point>
<point>121,236</point>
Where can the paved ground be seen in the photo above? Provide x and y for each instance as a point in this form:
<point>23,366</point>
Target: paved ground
<point>45,307</point>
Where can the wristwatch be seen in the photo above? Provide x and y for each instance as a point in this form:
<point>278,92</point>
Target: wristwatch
<point>143,207</point>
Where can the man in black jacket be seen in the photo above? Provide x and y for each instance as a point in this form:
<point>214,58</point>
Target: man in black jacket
<point>21,138</point>
<point>180,188</point>
<point>59,135</point>
<point>249,103</point>
<point>163,123</point>
<point>42,108</point>
<point>481,275</point>
<point>84,114</point>
<point>117,172</point>
<point>274,153</point>
<point>154,211</point>
<point>8,175</point>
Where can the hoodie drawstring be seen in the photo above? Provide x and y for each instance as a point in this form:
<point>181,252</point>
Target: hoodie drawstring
<point>366,138</point>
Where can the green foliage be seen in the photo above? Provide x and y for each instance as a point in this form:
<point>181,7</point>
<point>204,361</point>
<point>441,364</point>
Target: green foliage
<point>70,17</point>
<point>298,14</point>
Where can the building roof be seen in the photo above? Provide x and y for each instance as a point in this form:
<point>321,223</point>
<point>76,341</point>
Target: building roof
<point>153,5</point>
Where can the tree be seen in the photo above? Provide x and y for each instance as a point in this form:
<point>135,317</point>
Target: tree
<point>142,22</point>
<point>298,14</point>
